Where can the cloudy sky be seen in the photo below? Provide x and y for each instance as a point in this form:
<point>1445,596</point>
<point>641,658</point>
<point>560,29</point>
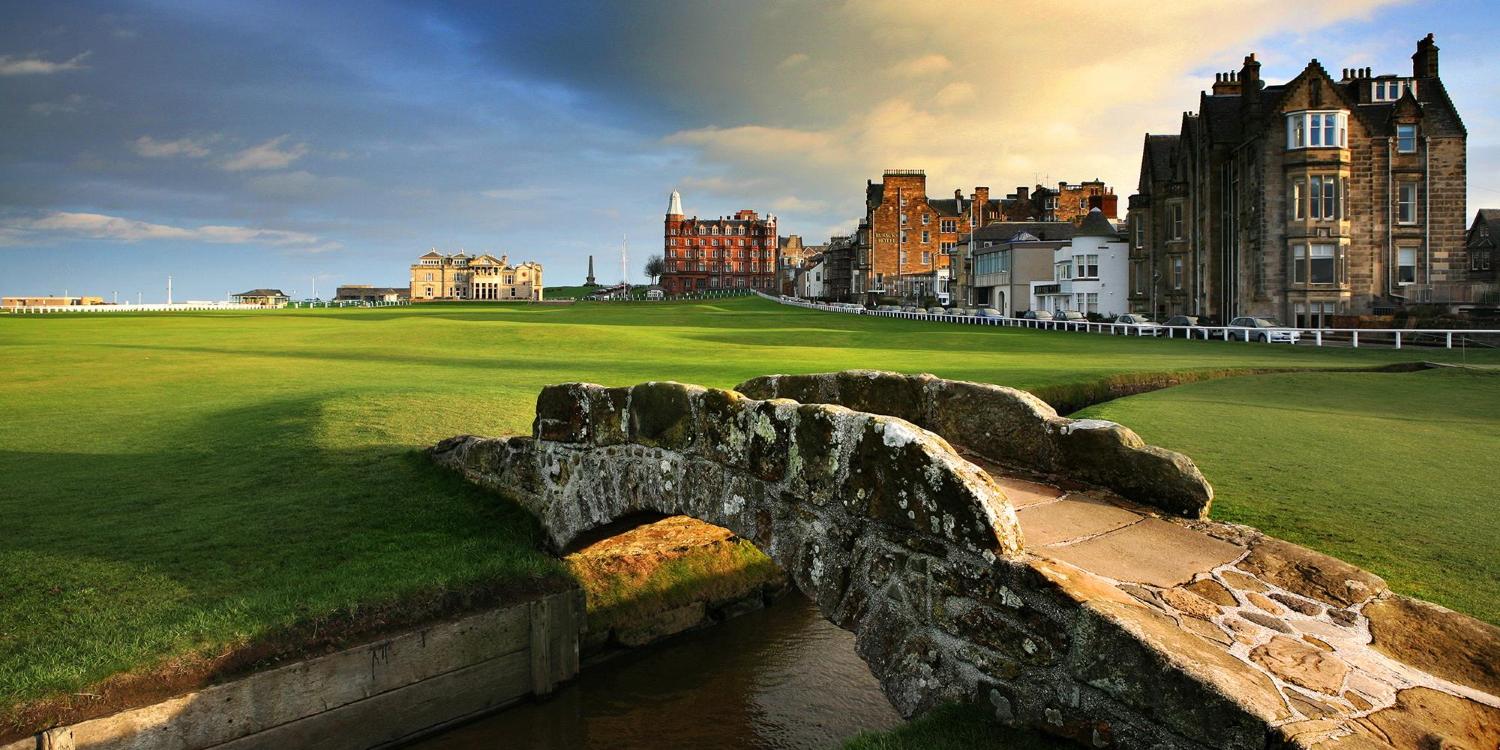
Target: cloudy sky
<point>239,145</point>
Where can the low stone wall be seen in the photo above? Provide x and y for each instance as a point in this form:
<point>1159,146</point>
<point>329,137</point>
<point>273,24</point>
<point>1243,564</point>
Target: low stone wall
<point>368,696</point>
<point>1011,427</point>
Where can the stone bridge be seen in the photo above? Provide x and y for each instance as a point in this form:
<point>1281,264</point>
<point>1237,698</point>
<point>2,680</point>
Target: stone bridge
<point>1060,573</point>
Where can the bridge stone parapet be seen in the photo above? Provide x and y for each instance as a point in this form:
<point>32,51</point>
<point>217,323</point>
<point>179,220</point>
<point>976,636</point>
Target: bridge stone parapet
<point>1084,605</point>
<point>1011,427</point>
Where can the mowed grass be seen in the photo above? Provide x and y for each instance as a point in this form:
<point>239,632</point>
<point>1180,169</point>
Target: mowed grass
<point>175,485</point>
<point>1393,472</point>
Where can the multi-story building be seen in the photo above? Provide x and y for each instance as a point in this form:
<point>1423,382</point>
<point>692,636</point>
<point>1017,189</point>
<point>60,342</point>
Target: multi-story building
<point>1088,273</point>
<point>1006,259</point>
<point>730,252</point>
<point>475,277</point>
<point>8,303</point>
<point>1303,200</point>
<point>1066,202</point>
<point>906,240</point>
<point>838,268</point>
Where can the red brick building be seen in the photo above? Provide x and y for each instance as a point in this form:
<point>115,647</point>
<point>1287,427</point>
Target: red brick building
<point>907,240</point>
<point>729,252</point>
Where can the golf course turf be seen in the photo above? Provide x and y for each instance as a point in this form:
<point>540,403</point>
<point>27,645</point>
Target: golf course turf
<point>178,486</point>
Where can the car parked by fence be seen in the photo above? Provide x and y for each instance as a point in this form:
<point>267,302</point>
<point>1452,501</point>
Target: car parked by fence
<point>1037,315</point>
<point>1261,329</point>
<point>1136,324</point>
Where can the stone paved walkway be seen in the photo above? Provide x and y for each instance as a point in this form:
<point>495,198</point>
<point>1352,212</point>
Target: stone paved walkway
<point>1253,597</point>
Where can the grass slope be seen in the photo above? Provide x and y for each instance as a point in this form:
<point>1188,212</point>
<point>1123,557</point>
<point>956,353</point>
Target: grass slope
<point>1393,472</point>
<point>180,484</point>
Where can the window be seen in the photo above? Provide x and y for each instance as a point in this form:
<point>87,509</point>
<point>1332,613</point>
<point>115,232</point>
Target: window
<point>1321,264</point>
<point>1091,303</point>
<point>1140,231</point>
<point>1138,275</point>
<point>1062,271</point>
<point>1175,210</point>
<point>1177,272</point>
<point>1406,265</point>
<point>1406,139</point>
<point>949,247</point>
<point>1322,192</point>
<point>1299,264</point>
<point>903,220</point>
<point>1298,210</point>
<point>903,235</point>
<point>1406,203</point>
<point>1390,89</point>
<point>926,219</point>
<point>926,236</point>
<point>1088,266</point>
<point>950,225</point>
<point>1316,129</point>
<point>926,258</point>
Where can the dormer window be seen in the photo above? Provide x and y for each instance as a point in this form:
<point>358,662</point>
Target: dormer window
<point>1391,89</point>
<point>1406,139</point>
<point>1317,130</point>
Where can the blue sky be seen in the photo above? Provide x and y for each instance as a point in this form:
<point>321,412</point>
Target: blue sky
<point>237,145</point>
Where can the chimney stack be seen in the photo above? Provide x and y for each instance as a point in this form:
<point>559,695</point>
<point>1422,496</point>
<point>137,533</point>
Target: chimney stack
<point>1226,84</point>
<point>1424,64</point>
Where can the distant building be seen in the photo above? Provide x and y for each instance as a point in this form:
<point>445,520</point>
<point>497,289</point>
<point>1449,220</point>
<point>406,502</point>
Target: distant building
<point>1008,258</point>
<point>1304,200</point>
<point>484,277</point>
<point>1089,273</point>
<point>730,252</point>
<point>810,278</point>
<point>1066,202</point>
<point>42,301</point>
<point>906,238</point>
<point>368,293</point>
<point>838,268</point>
<point>263,298</point>
<point>1483,243</point>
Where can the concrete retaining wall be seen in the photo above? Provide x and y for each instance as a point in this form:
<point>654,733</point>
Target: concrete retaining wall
<point>372,695</point>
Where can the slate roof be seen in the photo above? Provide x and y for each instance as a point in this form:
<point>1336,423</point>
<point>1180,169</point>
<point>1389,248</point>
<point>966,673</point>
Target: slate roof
<point>956,207</point>
<point>1161,154</point>
<point>1489,217</point>
<point>1097,225</point>
<point>1003,231</point>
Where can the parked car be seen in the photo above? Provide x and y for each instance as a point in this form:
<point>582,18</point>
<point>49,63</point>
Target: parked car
<point>1071,316</point>
<point>1260,329</point>
<point>987,312</point>
<point>1037,315</point>
<point>936,311</point>
<point>1191,321</point>
<point>1138,325</point>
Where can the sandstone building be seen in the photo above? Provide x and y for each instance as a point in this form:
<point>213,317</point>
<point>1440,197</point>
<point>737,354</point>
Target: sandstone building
<point>1300,201</point>
<point>478,277</point>
<point>1066,202</point>
<point>730,252</point>
<point>906,240</point>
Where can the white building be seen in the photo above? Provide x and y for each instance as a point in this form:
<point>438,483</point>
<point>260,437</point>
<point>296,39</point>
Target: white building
<point>810,281</point>
<point>1089,274</point>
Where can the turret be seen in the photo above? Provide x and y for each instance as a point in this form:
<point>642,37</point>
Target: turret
<point>674,205</point>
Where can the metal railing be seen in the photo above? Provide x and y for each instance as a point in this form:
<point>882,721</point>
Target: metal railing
<point>1397,337</point>
<point>190,307</point>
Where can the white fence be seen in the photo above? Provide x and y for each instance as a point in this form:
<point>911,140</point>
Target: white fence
<point>183,307</point>
<point>1396,337</point>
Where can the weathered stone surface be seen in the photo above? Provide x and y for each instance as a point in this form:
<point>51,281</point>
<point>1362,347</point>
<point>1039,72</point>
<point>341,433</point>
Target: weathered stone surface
<point>1023,494</point>
<point>1311,574</point>
<point>1190,604</point>
<point>1206,629</point>
<point>1445,643</point>
<point>1213,591</point>
<point>1009,426</point>
<point>1072,517</point>
<point>1265,604</point>
<point>1242,582</point>
<point>1425,718</point>
<point>1266,621</point>
<point>1298,604</point>
<point>1301,664</point>
<point>1152,551</point>
<point>670,622</point>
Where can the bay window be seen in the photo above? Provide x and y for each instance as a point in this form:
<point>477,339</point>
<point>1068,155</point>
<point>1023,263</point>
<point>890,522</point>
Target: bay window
<point>1317,130</point>
<point>1321,264</point>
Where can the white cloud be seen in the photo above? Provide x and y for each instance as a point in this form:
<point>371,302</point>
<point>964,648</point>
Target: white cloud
<point>29,66</point>
<point>153,149</point>
<point>924,65</point>
<point>104,227</point>
<point>793,60</point>
<point>521,193</point>
<point>268,155</point>
<point>793,203</point>
<point>66,105</point>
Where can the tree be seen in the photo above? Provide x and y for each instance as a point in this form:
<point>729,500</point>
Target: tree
<point>655,267</point>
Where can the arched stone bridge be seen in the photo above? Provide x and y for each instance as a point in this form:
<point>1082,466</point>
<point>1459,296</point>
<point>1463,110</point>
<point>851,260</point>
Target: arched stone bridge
<point>1059,573</point>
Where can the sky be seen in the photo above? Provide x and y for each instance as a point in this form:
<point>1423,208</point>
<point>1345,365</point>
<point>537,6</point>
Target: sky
<point>286,144</point>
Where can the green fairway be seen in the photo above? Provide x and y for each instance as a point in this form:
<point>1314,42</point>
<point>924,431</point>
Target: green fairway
<point>1393,472</point>
<point>182,484</point>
